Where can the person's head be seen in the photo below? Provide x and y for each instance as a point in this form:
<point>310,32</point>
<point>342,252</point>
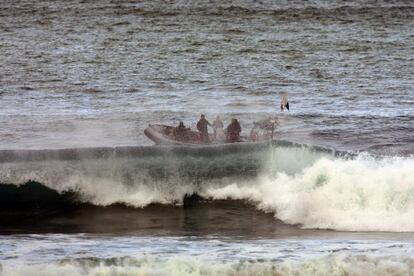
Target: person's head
<point>181,124</point>
<point>233,120</point>
<point>202,116</point>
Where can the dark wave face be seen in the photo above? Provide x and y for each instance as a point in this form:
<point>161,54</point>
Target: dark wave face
<point>34,208</point>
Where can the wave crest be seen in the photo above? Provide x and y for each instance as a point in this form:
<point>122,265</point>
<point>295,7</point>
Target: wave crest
<point>362,194</point>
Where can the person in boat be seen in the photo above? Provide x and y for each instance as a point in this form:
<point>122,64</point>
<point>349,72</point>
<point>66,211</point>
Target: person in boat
<point>180,132</point>
<point>233,131</point>
<point>218,128</point>
<point>284,103</point>
<point>202,127</point>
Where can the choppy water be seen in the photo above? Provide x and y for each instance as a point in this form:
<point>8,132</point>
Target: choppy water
<point>78,78</point>
<point>81,73</point>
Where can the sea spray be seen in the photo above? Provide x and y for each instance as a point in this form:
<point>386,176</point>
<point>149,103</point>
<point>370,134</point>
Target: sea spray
<point>140,176</point>
<point>361,194</point>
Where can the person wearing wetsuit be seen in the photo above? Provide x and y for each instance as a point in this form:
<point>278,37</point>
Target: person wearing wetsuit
<point>180,132</point>
<point>233,131</point>
<point>202,127</point>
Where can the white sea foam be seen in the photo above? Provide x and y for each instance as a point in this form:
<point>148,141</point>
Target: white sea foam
<point>364,194</point>
<point>332,264</point>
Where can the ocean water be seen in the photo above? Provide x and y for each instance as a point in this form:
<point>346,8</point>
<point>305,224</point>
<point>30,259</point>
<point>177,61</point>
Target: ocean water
<point>84,192</point>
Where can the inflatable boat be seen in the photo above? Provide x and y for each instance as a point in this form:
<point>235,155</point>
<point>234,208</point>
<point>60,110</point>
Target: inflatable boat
<point>167,135</point>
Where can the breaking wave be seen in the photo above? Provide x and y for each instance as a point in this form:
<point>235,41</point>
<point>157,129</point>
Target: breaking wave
<point>361,194</point>
<point>309,186</point>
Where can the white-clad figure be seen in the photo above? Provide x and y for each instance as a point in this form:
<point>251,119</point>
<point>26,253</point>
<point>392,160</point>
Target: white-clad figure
<point>284,103</point>
<point>219,135</point>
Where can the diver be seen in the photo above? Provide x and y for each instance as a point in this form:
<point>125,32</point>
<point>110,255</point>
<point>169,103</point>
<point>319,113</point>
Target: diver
<point>202,127</point>
<point>233,131</point>
<point>218,128</point>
